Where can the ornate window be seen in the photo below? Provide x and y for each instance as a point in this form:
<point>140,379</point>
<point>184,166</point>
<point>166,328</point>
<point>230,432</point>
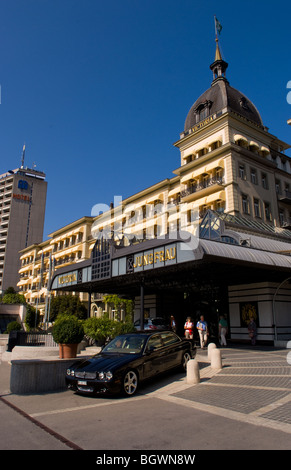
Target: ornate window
<point>257,208</point>
<point>245,204</point>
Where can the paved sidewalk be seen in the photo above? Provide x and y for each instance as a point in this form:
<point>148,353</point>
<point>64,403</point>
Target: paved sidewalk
<point>246,405</point>
<point>253,386</point>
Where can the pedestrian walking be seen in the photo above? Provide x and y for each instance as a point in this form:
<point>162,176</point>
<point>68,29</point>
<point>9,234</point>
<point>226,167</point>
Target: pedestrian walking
<point>202,328</point>
<point>188,327</point>
<point>223,328</point>
<point>252,329</point>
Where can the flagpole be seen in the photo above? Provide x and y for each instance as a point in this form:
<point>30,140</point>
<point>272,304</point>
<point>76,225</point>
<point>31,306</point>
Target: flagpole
<point>215,27</point>
<point>23,154</point>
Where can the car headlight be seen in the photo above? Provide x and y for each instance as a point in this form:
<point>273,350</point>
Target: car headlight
<point>109,375</point>
<point>105,375</point>
<point>71,372</point>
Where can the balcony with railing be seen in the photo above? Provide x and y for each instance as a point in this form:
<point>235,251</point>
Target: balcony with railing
<point>201,189</point>
<point>284,196</point>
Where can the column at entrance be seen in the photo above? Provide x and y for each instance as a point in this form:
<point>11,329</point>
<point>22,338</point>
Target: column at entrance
<point>141,313</point>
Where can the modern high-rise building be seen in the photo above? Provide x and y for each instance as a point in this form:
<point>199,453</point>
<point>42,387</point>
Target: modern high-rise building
<point>22,212</point>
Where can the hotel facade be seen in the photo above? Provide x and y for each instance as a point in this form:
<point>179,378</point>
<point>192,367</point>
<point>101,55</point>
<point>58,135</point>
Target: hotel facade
<point>68,245</point>
<point>213,239</point>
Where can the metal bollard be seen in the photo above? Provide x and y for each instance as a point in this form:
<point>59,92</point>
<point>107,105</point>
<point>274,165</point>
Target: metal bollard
<point>210,348</point>
<point>193,373</point>
<point>216,362</point>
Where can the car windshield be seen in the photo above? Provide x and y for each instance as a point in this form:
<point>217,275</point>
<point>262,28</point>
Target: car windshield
<point>127,344</point>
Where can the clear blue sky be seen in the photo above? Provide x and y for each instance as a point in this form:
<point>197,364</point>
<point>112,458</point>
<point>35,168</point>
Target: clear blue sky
<point>99,90</point>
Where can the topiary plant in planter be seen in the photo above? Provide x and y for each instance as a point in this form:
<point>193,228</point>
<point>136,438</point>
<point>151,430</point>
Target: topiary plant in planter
<point>68,332</point>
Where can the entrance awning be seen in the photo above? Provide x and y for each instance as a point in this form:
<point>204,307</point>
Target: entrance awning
<point>248,255</point>
<point>161,263</point>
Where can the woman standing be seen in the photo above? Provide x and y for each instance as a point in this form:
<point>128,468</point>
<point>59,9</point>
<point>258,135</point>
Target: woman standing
<point>188,327</point>
<point>223,327</point>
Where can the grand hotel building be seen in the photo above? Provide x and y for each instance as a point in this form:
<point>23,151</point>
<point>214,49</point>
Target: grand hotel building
<point>215,238</point>
<point>38,262</point>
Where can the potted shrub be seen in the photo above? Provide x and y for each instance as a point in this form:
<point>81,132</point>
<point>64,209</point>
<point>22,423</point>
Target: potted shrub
<point>68,332</point>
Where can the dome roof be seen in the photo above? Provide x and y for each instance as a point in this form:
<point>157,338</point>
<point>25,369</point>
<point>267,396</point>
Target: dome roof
<point>219,96</point>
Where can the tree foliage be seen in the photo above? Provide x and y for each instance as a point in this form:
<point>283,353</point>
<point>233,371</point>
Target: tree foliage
<point>102,329</point>
<point>10,296</point>
<point>32,318</point>
<point>13,326</point>
<point>119,304</point>
<point>67,305</point>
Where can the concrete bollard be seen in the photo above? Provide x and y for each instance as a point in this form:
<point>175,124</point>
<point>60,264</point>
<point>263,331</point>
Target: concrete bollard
<point>193,374</point>
<point>216,362</point>
<point>210,348</point>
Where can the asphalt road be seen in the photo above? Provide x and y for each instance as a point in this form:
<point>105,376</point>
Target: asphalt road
<point>245,406</point>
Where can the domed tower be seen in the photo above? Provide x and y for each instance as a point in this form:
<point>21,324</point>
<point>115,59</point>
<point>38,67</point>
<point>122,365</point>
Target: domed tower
<point>221,97</point>
<point>228,157</point>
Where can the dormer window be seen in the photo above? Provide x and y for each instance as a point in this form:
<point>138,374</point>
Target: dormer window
<point>204,113</point>
<point>244,103</point>
<point>203,110</point>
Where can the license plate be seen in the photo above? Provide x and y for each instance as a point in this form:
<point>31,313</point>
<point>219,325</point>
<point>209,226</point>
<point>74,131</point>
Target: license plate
<point>82,382</point>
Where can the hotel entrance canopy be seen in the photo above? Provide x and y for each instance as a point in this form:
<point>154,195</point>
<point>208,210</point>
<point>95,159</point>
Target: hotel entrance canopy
<point>220,256</point>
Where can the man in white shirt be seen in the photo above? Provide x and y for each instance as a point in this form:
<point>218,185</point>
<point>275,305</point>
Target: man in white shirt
<point>202,328</point>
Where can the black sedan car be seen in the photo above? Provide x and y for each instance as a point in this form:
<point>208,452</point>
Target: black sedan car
<point>129,359</point>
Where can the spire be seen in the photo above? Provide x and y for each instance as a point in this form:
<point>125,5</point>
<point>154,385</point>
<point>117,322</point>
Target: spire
<point>219,66</point>
<point>217,52</point>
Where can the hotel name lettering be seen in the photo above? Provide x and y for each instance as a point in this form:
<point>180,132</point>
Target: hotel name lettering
<point>159,256</point>
<point>203,123</point>
<point>68,278</point>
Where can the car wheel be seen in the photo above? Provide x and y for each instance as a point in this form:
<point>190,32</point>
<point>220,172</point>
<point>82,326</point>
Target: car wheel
<point>130,383</point>
<point>186,358</point>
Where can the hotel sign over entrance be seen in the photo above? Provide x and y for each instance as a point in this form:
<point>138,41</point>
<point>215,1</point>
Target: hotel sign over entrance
<point>151,257</point>
<point>157,257</point>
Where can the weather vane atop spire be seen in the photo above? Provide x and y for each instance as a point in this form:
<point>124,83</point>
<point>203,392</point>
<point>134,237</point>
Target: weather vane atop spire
<point>218,27</point>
